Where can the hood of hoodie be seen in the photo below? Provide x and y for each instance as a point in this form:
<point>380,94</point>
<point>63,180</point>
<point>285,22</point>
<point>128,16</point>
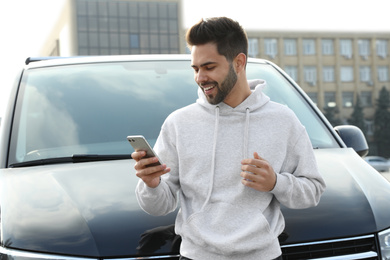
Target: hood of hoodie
<point>256,100</point>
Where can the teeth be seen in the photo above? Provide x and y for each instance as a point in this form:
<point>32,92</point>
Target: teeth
<point>208,88</point>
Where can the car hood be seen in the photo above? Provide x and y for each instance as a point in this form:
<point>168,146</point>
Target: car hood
<point>90,209</point>
<point>354,203</point>
<point>84,209</point>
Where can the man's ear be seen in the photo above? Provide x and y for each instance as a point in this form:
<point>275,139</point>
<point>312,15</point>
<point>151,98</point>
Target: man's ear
<point>240,62</point>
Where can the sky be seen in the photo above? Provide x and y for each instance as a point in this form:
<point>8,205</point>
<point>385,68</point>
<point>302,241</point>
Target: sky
<point>24,24</point>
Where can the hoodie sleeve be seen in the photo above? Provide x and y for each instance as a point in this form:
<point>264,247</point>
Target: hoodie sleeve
<point>300,184</point>
<point>162,199</point>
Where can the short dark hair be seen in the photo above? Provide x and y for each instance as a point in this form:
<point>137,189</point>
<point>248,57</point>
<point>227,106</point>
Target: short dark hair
<point>226,33</point>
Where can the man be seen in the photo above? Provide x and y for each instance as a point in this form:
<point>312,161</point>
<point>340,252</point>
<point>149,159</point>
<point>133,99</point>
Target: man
<point>230,202</point>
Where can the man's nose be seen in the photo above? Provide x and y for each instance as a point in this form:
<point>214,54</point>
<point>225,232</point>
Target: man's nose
<point>201,76</point>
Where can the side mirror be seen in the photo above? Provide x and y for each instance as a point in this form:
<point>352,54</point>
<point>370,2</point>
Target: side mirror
<point>353,137</point>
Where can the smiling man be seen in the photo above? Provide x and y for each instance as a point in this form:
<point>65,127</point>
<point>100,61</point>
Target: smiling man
<point>232,157</point>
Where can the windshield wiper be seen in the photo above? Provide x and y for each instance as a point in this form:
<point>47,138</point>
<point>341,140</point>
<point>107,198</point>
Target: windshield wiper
<point>76,158</point>
<point>99,157</point>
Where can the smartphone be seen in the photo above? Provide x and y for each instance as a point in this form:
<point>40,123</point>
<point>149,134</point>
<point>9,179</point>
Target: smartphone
<point>139,143</point>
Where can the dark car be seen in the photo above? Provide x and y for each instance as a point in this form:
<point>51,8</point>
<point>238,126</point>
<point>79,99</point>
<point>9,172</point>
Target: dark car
<point>67,178</point>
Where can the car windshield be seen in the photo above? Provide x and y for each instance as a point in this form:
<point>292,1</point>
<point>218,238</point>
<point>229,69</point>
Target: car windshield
<point>91,108</point>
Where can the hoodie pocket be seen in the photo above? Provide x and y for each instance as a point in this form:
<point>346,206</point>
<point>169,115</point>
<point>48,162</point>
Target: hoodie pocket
<point>228,229</point>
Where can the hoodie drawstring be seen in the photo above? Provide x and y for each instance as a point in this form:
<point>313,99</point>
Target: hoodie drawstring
<point>246,134</point>
<point>213,157</point>
<point>244,153</point>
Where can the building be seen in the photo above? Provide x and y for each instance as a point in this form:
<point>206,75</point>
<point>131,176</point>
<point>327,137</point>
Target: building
<point>333,68</point>
<point>115,27</point>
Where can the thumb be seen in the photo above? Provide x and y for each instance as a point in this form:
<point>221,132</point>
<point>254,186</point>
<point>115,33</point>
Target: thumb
<point>256,155</point>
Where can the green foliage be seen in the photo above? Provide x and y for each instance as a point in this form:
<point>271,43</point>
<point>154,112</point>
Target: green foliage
<point>330,114</point>
<point>382,123</point>
<point>357,116</point>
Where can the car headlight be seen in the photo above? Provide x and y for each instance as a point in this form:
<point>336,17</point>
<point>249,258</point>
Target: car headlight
<point>384,242</point>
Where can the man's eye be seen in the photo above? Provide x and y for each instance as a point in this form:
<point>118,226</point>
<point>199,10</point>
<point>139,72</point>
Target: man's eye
<point>210,68</point>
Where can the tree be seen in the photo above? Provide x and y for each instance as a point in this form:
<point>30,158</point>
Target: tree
<point>357,116</point>
<point>382,123</point>
<point>330,114</point>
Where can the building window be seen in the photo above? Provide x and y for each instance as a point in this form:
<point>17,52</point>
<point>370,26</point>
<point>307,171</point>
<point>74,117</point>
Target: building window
<point>314,97</point>
<point>366,99</point>
<point>365,74</point>
<point>328,73</point>
<point>347,99</point>
<point>383,73</point>
<point>346,48</point>
<point>309,47</point>
<point>330,99</point>
<point>310,74</point>
<point>253,47</point>
<point>346,73</point>
<point>134,41</point>
<point>290,47</point>
<point>369,124</point>
<point>364,48</point>
<point>107,27</point>
<point>271,47</point>
<point>327,47</point>
<point>292,71</point>
<point>381,48</point>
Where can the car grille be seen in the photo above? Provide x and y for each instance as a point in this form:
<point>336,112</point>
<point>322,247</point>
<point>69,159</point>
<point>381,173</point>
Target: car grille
<point>363,247</point>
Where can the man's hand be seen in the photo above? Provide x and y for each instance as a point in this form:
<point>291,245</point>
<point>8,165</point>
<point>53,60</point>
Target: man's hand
<point>149,174</point>
<point>258,174</point>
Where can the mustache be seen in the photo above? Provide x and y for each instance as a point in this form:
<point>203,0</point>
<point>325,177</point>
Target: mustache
<point>208,83</point>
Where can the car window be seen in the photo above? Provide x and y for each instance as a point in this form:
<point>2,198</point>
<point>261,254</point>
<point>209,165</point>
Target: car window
<point>279,89</point>
<point>92,108</point>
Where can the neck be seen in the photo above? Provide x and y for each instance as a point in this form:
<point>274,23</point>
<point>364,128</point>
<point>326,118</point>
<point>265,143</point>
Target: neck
<point>238,94</point>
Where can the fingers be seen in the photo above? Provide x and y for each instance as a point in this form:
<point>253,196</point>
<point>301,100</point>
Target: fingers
<point>265,181</point>
<point>256,156</point>
<point>257,162</point>
<point>154,171</point>
<point>137,155</point>
<point>253,174</point>
<point>142,163</point>
<point>249,183</point>
<point>257,173</point>
<point>149,174</point>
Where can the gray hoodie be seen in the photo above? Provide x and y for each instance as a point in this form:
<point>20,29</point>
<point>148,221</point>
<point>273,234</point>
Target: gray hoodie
<point>204,144</point>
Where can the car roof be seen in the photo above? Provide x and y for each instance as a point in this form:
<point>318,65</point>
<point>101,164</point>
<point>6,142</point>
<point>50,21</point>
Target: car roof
<point>34,62</point>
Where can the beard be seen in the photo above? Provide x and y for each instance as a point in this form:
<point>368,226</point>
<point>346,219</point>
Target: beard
<point>225,87</point>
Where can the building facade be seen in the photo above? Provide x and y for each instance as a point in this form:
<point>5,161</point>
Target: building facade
<point>117,27</point>
<point>333,68</point>
<point>114,27</point>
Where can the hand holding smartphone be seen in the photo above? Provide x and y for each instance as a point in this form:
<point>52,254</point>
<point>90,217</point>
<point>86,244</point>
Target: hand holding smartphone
<point>139,143</point>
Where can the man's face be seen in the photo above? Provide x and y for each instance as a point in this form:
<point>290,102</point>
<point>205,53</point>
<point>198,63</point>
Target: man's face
<point>213,73</point>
